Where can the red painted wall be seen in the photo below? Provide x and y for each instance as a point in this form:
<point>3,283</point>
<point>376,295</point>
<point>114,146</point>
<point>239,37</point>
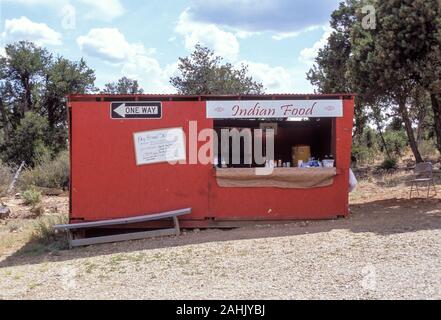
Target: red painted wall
<point>106,182</point>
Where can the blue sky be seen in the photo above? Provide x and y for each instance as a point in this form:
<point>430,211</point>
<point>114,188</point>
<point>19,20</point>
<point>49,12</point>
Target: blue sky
<point>277,39</point>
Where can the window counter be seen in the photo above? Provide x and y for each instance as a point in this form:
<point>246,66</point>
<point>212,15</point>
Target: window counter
<point>292,177</point>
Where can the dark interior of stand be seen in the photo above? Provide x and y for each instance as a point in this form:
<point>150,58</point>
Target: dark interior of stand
<point>318,133</point>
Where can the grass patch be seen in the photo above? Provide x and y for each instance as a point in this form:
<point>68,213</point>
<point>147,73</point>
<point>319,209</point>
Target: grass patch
<point>89,267</point>
<point>44,228</point>
<point>34,285</point>
<point>136,257</point>
<point>115,263</point>
<point>18,276</point>
<point>117,259</point>
<point>42,237</point>
<point>44,232</point>
<point>31,197</point>
<point>428,150</point>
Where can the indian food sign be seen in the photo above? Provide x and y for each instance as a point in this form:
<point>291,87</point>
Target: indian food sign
<point>242,109</point>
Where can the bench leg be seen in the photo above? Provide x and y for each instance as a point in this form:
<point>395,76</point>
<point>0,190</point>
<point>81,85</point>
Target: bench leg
<point>69,238</point>
<point>411,190</point>
<point>428,188</point>
<point>176,223</point>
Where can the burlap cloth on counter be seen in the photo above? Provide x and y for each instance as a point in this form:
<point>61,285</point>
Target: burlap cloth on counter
<point>301,178</point>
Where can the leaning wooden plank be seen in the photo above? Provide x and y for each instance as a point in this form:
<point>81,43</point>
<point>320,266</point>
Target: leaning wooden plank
<point>123,237</point>
<point>14,180</point>
<point>102,223</point>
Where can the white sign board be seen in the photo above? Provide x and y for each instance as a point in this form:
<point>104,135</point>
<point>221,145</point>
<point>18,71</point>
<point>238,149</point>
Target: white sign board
<point>274,109</point>
<point>163,145</point>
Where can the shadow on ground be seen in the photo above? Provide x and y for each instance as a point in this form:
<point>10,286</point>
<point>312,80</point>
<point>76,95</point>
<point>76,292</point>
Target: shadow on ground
<point>383,217</point>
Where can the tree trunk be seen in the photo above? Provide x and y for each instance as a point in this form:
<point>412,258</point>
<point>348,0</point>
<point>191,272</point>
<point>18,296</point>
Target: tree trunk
<point>421,125</point>
<point>27,105</point>
<point>383,141</point>
<point>421,116</point>
<point>50,105</point>
<point>4,120</point>
<point>359,122</point>
<point>436,107</point>
<point>409,131</point>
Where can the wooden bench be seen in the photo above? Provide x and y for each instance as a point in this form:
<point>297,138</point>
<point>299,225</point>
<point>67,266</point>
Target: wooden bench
<point>122,221</point>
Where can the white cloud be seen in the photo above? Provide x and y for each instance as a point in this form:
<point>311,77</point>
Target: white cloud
<point>223,43</point>
<point>134,59</point>
<point>241,34</point>
<point>275,79</point>
<point>24,29</point>
<point>308,55</point>
<point>285,35</point>
<point>280,16</point>
<point>152,77</point>
<point>103,10</point>
<point>106,43</point>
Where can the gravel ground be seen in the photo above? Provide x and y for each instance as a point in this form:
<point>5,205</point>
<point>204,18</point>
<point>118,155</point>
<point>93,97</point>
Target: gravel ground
<point>390,248</point>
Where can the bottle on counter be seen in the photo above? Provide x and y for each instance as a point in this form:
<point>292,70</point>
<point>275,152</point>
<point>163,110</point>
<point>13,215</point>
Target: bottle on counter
<point>269,163</point>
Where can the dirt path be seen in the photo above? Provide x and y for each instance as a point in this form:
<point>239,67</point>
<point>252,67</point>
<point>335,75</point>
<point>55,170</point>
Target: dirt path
<point>390,248</point>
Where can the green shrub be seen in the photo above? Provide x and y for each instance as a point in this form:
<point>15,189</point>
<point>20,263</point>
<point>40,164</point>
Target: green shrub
<point>31,197</point>
<point>428,149</point>
<point>388,164</point>
<point>5,177</point>
<point>363,154</point>
<point>47,173</point>
<point>396,141</point>
<point>37,210</point>
<point>43,230</point>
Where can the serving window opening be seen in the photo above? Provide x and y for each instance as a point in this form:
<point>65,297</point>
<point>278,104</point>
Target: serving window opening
<point>310,140</point>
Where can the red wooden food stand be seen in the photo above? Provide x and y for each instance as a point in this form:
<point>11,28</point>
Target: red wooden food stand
<point>110,180</point>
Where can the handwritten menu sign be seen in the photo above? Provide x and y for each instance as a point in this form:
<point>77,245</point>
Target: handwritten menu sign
<point>163,145</point>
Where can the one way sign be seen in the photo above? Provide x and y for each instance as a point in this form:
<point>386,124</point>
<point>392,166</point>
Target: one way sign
<point>135,110</point>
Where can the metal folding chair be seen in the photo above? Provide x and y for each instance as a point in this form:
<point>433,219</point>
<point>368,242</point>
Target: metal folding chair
<point>423,174</point>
